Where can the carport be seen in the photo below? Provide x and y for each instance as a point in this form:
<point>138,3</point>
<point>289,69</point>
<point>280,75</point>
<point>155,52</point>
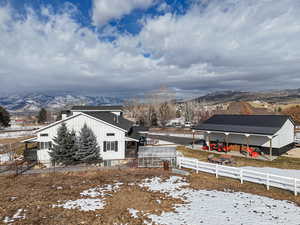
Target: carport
<point>274,134</point>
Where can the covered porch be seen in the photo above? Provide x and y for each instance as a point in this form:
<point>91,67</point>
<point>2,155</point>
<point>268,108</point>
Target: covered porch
<point>131,147</point>
<point>246,142</point>
<point>31,147</point>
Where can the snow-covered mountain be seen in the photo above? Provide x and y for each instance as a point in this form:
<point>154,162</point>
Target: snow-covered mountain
<point>33,102</point>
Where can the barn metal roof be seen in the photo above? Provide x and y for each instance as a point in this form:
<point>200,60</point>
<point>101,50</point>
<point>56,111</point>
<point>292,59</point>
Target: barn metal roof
<point>248,124</point>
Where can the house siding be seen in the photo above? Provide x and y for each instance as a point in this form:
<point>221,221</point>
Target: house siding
<point>99,128</point>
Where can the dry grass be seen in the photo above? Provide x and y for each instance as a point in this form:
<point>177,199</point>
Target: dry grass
<point>281,162</point>
<point>37,194</point>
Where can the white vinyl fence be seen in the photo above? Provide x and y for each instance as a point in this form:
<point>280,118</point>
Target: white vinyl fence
<point>287,183</point>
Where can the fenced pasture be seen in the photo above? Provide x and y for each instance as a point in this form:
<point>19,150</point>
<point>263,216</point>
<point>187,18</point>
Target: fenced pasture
<point>268,179</point>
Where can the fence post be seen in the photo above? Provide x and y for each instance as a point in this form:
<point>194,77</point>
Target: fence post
<point>196,165</point>
<point>179,162</point>
<point>268,181</point>
<point>295,187</point>
<point>241,176</point>
<point>217,176</point>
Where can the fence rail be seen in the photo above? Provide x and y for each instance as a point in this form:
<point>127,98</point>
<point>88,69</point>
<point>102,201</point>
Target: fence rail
<point>268,179</point>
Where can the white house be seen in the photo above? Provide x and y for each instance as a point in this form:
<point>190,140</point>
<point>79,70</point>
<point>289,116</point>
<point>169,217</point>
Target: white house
<point>274,134</point>
<point>110,128</point>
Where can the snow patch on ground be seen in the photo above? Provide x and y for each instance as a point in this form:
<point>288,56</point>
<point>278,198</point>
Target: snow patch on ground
<point>5,157</point>
<point>16,134</point>
<point>172,186</point>
<point>133,212</point>
<point>275,171</point>
<point>20,214</point>
<point>92,203</point>
<point>88,204</point>
<point>211,207</point>
<point>102,191</point>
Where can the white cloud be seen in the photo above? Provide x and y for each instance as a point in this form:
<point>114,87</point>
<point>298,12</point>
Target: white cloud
<point>105,10</point>
<point>245,41</point>
<point>245,45</point>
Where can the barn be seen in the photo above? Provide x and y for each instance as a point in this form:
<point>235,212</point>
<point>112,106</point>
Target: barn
<point>272,134</point>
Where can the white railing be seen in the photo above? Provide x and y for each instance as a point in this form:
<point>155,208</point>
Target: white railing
<point>287,183</point>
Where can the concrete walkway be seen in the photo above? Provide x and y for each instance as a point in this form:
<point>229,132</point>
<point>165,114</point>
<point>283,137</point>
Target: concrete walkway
<point>293,153</point>
<point>236,153</point>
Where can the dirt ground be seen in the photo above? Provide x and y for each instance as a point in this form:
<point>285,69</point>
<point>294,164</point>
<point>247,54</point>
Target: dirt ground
<point>294,153</point>
<point>38,193</point>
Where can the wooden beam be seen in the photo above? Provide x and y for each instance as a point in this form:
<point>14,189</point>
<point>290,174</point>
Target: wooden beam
<point>208,142</point>
<point>226,140</point>
<point>193,138</point>
<point>271,148</point>
<point>247,141</point>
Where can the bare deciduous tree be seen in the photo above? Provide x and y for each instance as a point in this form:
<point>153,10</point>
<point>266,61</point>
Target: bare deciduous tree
<point>149,111</point>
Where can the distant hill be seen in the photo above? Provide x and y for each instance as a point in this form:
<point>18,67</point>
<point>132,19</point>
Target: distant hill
<point>282,96</point>
<point>240,107</point>
<point>33,102</point>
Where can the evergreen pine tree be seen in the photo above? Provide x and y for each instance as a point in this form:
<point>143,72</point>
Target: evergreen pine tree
<point>88,148</point>
<point>64,146</point>
<point>42,116</point>
<point>4,117</point>
<point>71,149</point>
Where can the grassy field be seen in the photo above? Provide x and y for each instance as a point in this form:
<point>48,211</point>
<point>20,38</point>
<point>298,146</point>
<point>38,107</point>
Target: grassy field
<point>281,162</point>
<point>38,193</point>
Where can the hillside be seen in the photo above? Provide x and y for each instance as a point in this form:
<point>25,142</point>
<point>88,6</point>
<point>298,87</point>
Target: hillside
<point>278,97</point>
<point>240,107</point>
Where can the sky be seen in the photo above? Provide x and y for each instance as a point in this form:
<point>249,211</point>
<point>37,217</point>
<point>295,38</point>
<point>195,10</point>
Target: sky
<point>128,47</point>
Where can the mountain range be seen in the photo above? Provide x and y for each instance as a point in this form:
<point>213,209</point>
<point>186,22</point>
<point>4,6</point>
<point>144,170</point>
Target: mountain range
<point>33,102</point>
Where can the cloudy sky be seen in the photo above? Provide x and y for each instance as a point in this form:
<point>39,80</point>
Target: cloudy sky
<point>126,47</point>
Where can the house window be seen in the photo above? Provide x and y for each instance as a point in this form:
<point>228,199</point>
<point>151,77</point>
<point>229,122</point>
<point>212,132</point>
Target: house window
<point>45,145</point>
<point>44,135</point>
<point>110,134</point>
<point>110,146</point>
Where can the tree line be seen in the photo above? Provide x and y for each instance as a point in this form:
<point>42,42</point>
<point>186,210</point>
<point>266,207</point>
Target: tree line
<point>158,107</point>
<point>154,109</point>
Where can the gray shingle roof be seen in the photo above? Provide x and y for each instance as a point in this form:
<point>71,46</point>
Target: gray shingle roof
<point>111,118</point>
<point>251,124</point>
<point>95,108</point>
